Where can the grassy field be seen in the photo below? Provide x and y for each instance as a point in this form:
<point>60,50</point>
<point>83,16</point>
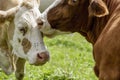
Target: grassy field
<point>71,59</point>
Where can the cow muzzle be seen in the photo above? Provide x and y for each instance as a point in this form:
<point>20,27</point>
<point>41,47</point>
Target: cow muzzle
<point>42,58</point>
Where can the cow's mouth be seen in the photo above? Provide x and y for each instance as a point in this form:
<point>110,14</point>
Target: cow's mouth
<point>41,58</point>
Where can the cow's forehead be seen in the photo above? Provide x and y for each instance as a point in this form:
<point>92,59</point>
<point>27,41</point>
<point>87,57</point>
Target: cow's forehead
<point>26,11</point>
<point>27,16</point>
<point>34,12</point>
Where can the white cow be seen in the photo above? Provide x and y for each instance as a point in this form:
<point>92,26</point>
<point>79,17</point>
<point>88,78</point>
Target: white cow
<point>20,38</point>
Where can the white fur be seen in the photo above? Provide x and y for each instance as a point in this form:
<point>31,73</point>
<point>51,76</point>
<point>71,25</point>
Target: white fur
<point>27,17</point>
<point>46,28</point>
<point>37,45</point>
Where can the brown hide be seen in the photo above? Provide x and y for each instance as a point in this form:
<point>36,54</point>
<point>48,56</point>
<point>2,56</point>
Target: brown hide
<point>102,31</point>
<point>8,9</point>
<point>6,33</point>
<point>7,4</point>
<point>77,18</point>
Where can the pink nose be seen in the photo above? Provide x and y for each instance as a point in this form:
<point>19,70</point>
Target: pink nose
<point>42,58</point>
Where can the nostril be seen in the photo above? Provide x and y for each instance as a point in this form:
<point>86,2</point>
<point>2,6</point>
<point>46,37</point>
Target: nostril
<point>40,57</point>
<point>43,56</point>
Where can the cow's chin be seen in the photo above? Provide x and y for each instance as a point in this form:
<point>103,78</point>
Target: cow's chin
<point>55,33</point>
<point>35,64</point>
<point>50,32</point>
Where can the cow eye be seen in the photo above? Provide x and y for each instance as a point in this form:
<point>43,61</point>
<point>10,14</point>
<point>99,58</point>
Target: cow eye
<point>73,2</point>
<point>23,30</point>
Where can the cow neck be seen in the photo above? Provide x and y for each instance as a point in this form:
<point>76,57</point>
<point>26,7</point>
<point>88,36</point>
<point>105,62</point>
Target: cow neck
<point>6,32</point>
<point>81,20</point>
<point>11,29</point>
<point>10,32</point>
<point>95,28</point>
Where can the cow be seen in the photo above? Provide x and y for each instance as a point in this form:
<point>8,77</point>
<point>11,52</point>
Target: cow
<point>20,37</point>
<point>98,21</point>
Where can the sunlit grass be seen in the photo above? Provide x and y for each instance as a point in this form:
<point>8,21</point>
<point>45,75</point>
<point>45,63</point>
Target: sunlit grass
<point>71,59</point>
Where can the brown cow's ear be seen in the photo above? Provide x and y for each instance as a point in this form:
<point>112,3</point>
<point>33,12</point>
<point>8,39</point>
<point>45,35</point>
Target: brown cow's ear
<point>98,8</point>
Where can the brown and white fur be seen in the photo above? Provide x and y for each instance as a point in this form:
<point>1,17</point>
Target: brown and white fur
<point>99,22</point>
<point>20,38</point>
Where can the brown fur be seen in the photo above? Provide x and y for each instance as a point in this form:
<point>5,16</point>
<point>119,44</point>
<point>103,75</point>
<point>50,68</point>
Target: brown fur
<point>102,31</point>
<point>7,31</point>
<point>7,4</point>
<point>8,15</point>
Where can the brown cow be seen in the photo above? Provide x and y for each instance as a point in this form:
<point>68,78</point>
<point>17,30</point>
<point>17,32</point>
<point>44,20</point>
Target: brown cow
<point>99,22</point>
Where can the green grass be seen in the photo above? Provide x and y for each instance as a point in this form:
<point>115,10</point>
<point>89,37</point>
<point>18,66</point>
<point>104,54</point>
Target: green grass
<point>71,59</point>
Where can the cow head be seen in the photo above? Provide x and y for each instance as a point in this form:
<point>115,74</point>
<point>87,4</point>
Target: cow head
<point>27,40</point>
<point>64,14</point>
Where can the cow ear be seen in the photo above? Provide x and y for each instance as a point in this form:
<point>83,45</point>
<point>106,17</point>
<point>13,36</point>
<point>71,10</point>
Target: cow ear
<point>98,8</point>
<point>9,14</point>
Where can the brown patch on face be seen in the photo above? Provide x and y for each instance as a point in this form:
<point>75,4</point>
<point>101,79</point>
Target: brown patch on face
<point>26,45</point>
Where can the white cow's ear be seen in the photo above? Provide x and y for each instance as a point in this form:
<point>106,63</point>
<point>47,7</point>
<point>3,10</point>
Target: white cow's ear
<point>9,14</point>
<point>98,8</point>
